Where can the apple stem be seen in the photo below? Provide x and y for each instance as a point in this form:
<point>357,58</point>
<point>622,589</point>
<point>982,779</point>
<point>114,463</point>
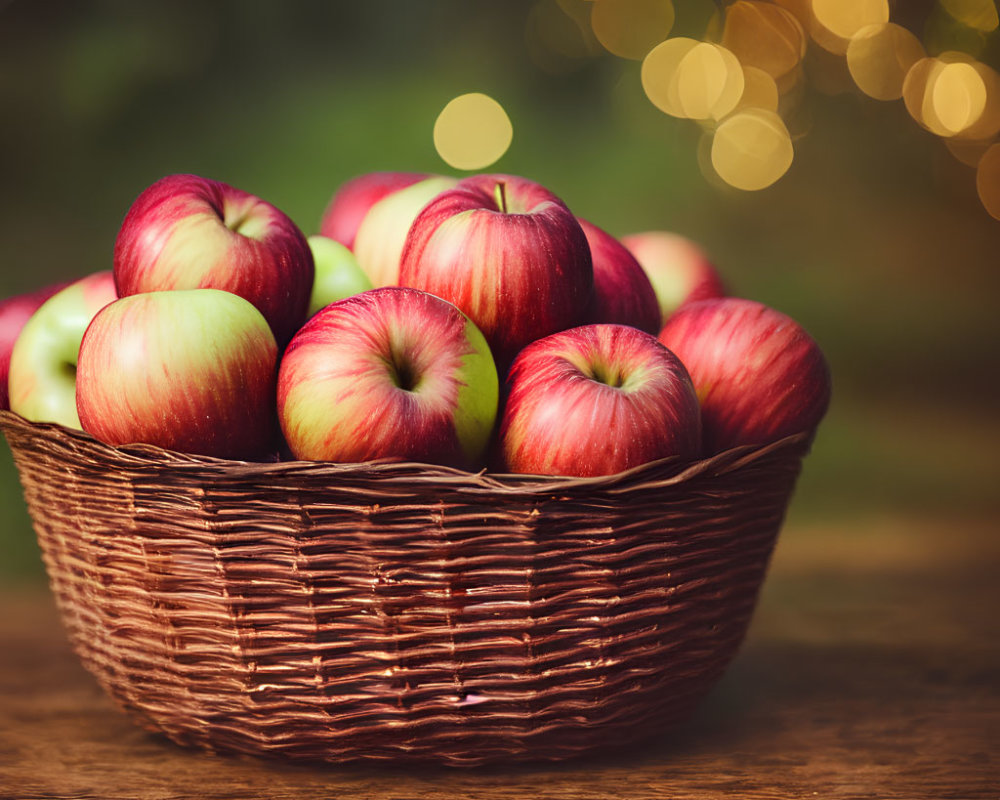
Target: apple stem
<point>500,192</point>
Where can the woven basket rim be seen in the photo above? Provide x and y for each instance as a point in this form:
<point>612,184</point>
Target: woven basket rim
<point>664,472</point>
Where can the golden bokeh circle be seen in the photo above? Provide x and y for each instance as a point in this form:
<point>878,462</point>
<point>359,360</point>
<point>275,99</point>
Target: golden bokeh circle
<point>752,149</point>
<point>659,73</point>
<point>988,181</point>
<point>709,81</point>
<point>880,56</point>
<point>957,97</point>
<point>836,22</point>
<point>472,132</point>
<point>759,90</point>
<point>980,15</point>
<point>631,28</point>
<point>765,36</point>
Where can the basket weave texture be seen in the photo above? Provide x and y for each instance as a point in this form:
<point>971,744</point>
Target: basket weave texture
<point>400,612</point>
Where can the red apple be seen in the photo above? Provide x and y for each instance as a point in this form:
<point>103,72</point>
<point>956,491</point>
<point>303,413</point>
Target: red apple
<point>352,200</point>
<point>508,253</point>
<point>389,373</point>
<point>14,312</point>
<point>596,400</point>
<point>679,269</point>
<point>42,379</point>
<point>188,370</point>
<point>623,294</point>
<point>187,232</point>
<point>758,374</point>
<point>382,234</point>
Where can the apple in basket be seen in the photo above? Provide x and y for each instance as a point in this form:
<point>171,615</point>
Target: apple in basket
<point>188,370</point>
<point>382,234</point>
<point>623,294</point>
<point>596,400</point>
<point>758,374</point>
<point>14,313</point>
<point>355,197</point>
<point>391,373</point>
<point>188,232</point>
<point>679,269</point>
<point>508,253</point>
<point>337,273</point>
<point>43,363</point>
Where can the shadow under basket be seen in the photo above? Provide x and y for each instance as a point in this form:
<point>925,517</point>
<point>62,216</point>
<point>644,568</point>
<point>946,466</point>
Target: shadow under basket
<point>400,612</point>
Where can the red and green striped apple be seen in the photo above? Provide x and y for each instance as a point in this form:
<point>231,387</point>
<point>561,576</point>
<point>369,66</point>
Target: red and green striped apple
<point>392,373</point>
<point>351,202</point>
<point>508,253</point>
<point>596,400</point>
<point>189,232</point>
<point>758,374</point>
<point>188,370</point>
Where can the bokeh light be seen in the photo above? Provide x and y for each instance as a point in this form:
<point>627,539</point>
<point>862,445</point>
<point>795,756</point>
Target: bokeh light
<point>838,21</point>
<point>765,36</point>
<point>759,90</point>
<point>988,180</point>
<point>472,132</point>
<point>752,149</point>
<point>880,56</point>
<point>659,73</point>
<point>949,95</point>
<point>980,15</point>
<point>631,28</point>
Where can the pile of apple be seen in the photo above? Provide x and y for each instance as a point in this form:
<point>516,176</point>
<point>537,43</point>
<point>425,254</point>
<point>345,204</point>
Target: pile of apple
<point>475,323</point>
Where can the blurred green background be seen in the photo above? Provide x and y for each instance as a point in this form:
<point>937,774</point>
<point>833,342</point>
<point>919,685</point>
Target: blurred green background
<point>875,240</point>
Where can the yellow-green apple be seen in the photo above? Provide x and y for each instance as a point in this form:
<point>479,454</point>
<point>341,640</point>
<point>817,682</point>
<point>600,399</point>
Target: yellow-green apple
<point>188,370</point>
<point>337,273</point>
<point>622,294</point>
<point>596,400</point>
<point>43,363</point>
<point>758,374</point>
<point>391,373</point>
<point>678,268</point>
<point>508,253</point>
<point>352,200</point>
<point>14,313</point>
<point>382,234</point>
<point>189,232</point>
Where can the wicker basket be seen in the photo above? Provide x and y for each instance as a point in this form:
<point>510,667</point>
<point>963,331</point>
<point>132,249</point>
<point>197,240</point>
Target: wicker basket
<point>400,611</point>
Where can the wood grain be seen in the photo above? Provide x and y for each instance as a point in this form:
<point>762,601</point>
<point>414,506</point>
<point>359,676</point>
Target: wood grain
<point>872,669</point>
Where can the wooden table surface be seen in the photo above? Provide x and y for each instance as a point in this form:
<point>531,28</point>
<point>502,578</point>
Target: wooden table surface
<point>872,670</point>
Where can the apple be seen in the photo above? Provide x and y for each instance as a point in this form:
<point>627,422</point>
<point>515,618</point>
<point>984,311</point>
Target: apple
<point>596,400</point>
<point>382,234</point>
<point>188,370</point>
<point>354,198</point>
<point>758,374</point>
<point>508,253</point>
<point>188,232</point>
<point>678,268</point>
<point>391,373</point>
<point>337,273</point>
<point>623,294</point>
<point>14,312</point>
<point>43,362</point>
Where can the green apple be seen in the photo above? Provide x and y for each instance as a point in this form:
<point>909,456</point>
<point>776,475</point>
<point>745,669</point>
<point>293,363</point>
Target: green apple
<point>337,273</point>
<point>42,379</point>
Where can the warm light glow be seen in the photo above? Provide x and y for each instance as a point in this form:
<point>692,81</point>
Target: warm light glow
<point>709,82</point>
<point>969,153</point>
<point>659,74</point>
<point>949,95</point>
<point>759,90</point>
<point>472,132</point>
<point>988,181</point>
<point>980,15</point>
<point>988,124</point>
<point>957,97</point>
<point>752,149</point>
<point>838,21</point>
<point>879,56</point>
<point>631,28</point>
<point>765,36</point>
